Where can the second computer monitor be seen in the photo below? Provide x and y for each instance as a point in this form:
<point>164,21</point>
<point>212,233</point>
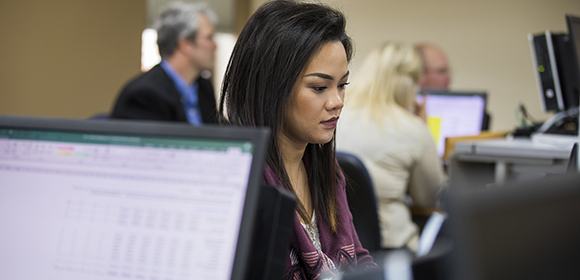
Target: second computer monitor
<point>453,113</point>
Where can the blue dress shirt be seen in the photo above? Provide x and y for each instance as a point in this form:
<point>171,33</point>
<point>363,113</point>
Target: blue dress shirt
<point>188,93</point>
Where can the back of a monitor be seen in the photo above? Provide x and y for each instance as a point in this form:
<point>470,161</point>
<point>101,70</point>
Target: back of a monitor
<point>273,231</point>
<point>525,231</point>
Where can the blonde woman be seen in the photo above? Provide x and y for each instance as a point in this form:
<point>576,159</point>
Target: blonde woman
<point>384,126</point>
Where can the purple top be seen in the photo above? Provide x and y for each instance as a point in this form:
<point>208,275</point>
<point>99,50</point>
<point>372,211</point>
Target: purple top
<point>343,247</point>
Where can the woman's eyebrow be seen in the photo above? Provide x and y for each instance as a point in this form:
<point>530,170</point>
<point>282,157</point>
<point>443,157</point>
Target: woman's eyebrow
<point>326,76</point>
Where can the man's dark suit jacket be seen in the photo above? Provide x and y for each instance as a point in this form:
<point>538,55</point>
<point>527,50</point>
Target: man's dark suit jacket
<point>154,96</point>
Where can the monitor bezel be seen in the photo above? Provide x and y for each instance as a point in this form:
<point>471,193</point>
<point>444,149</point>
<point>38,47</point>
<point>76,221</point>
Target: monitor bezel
<point>482,94</point>
<point>572,20</point>
<point>258,136</point>
<point>569,21</point>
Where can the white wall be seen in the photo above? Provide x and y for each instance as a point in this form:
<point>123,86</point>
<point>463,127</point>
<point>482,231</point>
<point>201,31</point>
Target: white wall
<point>486,41</point>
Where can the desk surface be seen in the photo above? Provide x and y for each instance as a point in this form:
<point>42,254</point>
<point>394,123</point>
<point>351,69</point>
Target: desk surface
<point>478,164</point>
<point>520,148</point>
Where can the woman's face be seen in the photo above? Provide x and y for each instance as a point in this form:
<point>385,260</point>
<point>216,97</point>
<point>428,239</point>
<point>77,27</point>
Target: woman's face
<point>317,97</point>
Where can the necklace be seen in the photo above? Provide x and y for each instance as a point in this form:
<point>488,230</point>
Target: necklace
<point>312,231</point>
<point>310,227</point>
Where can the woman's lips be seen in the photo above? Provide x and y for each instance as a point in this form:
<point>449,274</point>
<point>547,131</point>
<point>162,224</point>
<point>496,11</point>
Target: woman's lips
<point>331,122</point>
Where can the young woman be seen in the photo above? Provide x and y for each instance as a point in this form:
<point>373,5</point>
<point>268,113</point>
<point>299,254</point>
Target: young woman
<point>387,130</point>
<point>288,71</point>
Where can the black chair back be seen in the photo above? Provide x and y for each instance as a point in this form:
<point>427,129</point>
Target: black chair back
<point>361,200</point>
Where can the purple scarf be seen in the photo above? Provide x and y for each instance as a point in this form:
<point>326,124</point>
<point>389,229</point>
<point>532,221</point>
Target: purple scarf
<point>342,247</point>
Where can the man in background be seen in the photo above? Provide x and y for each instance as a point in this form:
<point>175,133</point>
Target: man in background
<point>174,90</point>
<point>436,74</point>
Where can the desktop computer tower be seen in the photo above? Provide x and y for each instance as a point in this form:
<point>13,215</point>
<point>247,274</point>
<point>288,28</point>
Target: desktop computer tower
<point>556,70</point>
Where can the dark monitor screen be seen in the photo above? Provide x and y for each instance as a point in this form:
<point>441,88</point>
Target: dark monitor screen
<point>573,23</point>
<point>99,200</point>
<point>453,113</point>
<point>574,31</point>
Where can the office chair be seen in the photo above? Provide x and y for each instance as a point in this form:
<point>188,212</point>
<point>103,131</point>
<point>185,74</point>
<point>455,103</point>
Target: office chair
<point>361,200</point>
<point>433,255</point>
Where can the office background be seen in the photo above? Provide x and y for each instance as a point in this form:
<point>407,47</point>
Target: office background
<point>69,58</point>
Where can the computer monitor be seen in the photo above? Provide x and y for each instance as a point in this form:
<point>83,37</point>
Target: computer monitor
<point>573,23</point>
<point>84,199</point>
<point>453,113</point>
<point>273,231</point>
<point>523,230</point>
<point>574,31</point>
<point>556,69</point>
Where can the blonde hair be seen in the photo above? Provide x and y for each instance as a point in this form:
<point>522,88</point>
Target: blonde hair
<point>387,81</point>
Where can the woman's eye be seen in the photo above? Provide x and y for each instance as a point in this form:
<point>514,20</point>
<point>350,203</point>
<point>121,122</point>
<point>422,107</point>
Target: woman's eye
<point>342,86</point>
<point>319,89</point>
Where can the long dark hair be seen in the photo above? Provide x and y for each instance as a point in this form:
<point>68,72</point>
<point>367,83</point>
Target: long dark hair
<point>277,43</point>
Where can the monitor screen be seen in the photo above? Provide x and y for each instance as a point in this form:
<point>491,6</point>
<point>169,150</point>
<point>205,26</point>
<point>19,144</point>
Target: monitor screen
<point>574,33</point>
<point>126,200</point>
<point>451,114</point>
